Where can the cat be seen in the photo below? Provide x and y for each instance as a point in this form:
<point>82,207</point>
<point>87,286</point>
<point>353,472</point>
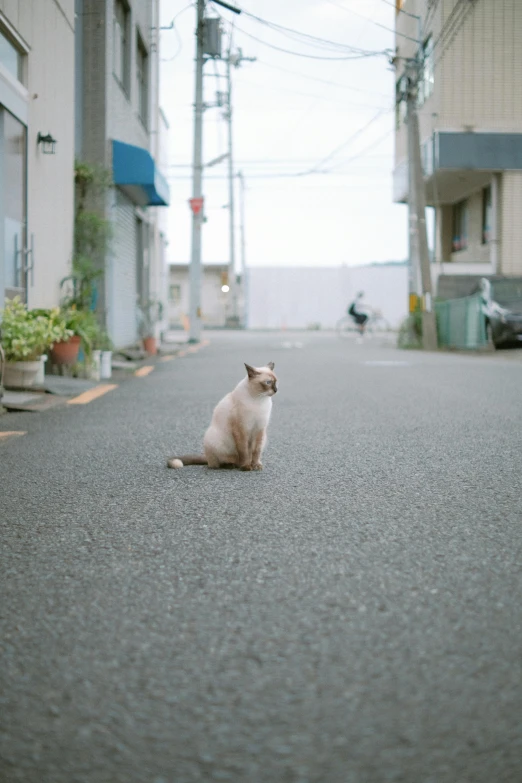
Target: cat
<point>236,436</point>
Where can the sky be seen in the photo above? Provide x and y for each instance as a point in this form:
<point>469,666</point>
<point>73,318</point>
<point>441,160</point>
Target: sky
<point>313,137</point>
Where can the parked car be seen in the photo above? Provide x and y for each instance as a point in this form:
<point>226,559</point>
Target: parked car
<point>502,308</point>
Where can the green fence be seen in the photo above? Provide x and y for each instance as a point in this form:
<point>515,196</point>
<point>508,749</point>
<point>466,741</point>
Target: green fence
<point>461,323</point>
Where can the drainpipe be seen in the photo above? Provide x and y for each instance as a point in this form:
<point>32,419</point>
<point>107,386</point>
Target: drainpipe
<point>494,241</point>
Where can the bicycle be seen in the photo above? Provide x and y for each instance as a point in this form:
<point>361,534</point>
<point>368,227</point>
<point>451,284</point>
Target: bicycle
<point>376,322</point>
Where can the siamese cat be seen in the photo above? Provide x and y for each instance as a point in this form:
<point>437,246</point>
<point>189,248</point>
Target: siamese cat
<point>236,436</point>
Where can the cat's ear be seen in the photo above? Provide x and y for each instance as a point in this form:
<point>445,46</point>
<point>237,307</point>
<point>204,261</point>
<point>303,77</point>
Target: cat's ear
<point>252,372</point>
<point>270,365</point>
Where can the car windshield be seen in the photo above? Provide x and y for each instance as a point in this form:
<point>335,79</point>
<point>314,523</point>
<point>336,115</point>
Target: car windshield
<point>507,292</point>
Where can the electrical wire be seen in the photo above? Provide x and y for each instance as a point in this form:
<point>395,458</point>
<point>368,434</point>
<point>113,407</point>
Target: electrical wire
<point>354,136</point>
<point>455,28</point>
<point>335,100</point>
<point>180,42</point>
<point>311,56</point>
<point>431,13</point>
<point>459,5</point>
<point>321,81</point>
<point>378,24</point>
<point>400,10</point>
<point>362,152</point>
<point>305,37</point>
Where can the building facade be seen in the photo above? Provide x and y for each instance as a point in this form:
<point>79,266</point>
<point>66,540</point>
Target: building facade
<point>292,297</point>
<point>470,116</point>
<point>120,127</point>
<point>36,174</point>
<point>214,300</point>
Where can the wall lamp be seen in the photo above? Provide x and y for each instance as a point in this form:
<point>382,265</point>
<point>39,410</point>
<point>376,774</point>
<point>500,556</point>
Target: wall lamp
<point>48,143</point>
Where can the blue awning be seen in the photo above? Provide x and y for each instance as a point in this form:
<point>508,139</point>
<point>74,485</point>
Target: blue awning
<point>135,172</point>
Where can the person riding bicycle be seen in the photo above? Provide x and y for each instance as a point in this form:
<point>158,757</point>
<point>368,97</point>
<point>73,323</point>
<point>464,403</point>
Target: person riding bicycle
<point>355,313</point>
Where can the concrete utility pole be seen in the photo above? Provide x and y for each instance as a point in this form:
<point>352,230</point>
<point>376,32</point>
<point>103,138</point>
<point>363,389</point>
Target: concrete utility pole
<point>232,60</point>
<point>417,214</point>
<point>233,315</point>
<point>197,179</point>
<point>242,258</point>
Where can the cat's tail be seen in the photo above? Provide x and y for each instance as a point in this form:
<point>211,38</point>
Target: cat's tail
<point>187,459</point>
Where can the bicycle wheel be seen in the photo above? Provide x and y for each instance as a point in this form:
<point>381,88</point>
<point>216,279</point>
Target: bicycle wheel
<point>344,327</point>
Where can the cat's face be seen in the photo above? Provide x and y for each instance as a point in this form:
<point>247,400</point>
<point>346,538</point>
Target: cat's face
<point>262,380</point>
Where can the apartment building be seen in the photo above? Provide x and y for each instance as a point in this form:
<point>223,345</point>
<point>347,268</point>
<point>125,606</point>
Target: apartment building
<point>36,148</point>
<point>470,116</point>
<point>120,127</point>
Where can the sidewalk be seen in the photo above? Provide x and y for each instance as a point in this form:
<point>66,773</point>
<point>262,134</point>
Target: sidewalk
<point>126,364</point>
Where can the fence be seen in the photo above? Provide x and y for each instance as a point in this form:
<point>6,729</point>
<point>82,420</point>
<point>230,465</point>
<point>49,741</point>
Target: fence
<point>461,323</point>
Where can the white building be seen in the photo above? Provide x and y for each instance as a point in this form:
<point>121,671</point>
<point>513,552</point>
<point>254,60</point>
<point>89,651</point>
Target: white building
<point>214,301</point>
<point>293,297</point>
<point>470,117</point>
<point>36,189</point>
<point>119,126</point>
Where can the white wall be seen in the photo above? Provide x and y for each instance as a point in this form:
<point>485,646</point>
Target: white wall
<point>296,297</point>
<point>47,27</point>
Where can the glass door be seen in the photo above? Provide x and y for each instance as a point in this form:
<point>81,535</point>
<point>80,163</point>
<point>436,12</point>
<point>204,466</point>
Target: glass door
<point>14,198</point>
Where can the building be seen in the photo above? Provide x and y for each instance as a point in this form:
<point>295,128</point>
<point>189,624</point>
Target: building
<point>36,174</point>
<point>292,297</point>
<point>214,299</point>
<point>317,297</point>
<point>470,117</point>
<point>120,127</point>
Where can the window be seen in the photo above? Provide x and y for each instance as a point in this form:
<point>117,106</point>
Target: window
<point>142,79</point>
<point>121,43</point>
<point>486,215</point>
<point>175,293</point>
<point>10,57</point>
<point>460,226</point>
<point>427,80</point>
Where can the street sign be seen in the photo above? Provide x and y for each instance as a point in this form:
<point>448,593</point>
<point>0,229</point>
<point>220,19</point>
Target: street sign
<point>196,204</point>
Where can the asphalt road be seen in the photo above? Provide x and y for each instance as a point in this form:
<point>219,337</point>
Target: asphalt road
<point>352,614</point>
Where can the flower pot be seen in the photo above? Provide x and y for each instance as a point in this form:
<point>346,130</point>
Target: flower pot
<point>150,345</point>
<point>40,378</point>
<point>21,375</point>
<point>106,364</point>
<point>66,352</point>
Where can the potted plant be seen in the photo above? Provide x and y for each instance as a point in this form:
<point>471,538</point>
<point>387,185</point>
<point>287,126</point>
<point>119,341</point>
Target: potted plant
<point>25,336</point>
<point>66,350</point>
<point>149,314</point>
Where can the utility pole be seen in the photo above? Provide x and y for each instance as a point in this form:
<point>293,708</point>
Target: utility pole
<point>197,180</point>
<point>233,311</point>
<point>242,258</point>
<point>232,60</point>
<point>417,214</point>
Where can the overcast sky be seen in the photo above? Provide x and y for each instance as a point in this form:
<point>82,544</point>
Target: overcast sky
<point>290,114</point>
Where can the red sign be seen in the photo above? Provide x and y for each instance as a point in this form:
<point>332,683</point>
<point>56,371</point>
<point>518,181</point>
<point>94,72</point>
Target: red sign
<point>196,204</point>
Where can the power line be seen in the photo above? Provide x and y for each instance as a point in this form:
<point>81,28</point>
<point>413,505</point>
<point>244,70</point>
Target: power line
<point>378,24</point>
<point>363,152</point>
<point>335,100</point>
<point>400,10</point>
<point>449,22</point>
<point>321,81</point>
<point>310,56</point>
<point>345,143</point>
<point>456,28</point>
<point>431,12</point>
<point>314,40</point>
<point>180,42</point>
